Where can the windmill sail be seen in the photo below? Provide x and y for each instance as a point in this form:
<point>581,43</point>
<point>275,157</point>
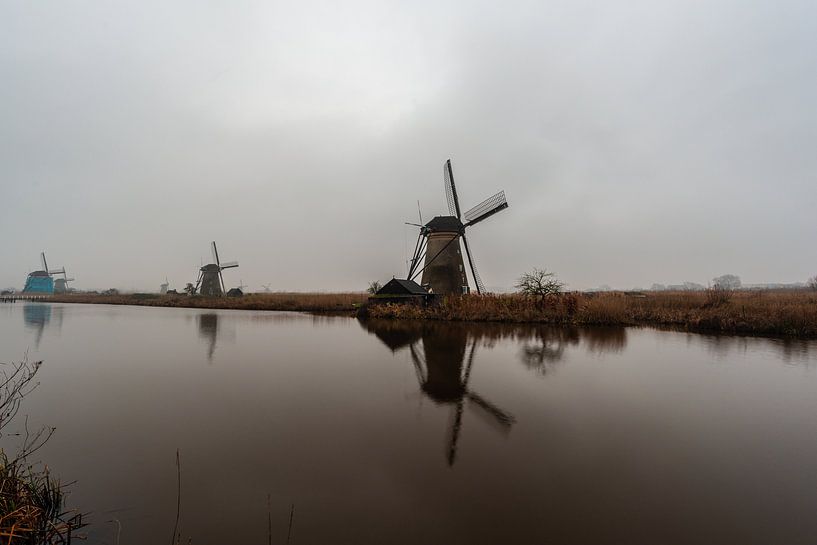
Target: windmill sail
<point>214,251</point>
<point>473,265</point>
<point>451,190</point>
<point>486,208</point>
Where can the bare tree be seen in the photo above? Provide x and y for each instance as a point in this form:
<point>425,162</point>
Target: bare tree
<point>539,284</point>
<point>374,287</point>
<point>727,282</point>
<point>812,282</point>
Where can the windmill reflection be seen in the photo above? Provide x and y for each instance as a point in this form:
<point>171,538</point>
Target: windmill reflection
<point>443,368</point>
<point>37,316</point>
<point>208,330</point>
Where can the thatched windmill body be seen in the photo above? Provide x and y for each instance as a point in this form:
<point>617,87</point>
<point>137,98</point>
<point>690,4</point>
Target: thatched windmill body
<point>211,279</point>
<point>438,244</point>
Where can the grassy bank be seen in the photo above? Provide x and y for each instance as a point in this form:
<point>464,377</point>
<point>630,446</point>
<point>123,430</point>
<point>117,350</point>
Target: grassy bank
<point>309,302</point>
<point>771,313</point>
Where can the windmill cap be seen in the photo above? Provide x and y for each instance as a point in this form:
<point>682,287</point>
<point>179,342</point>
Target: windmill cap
<point>445,224</point>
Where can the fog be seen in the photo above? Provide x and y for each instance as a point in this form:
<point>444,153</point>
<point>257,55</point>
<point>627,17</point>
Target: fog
<point>637,142</point>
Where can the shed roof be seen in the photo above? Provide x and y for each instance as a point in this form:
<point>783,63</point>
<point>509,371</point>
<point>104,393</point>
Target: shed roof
<point>397,286</point>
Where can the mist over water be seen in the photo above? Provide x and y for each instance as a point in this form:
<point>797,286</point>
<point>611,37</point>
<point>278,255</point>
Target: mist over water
<point>400,432</point>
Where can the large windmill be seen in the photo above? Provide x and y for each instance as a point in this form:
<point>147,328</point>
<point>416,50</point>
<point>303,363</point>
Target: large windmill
<point>211,281</point>
<point>438,244</point>
<point>42,281</point>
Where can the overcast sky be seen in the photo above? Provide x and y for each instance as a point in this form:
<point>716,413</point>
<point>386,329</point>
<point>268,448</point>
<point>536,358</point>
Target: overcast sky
<point>637,141</point>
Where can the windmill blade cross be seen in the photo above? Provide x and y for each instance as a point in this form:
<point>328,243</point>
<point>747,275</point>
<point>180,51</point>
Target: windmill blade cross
<point>486,208</point>
<point>229,265</point>
<point>451,190</point>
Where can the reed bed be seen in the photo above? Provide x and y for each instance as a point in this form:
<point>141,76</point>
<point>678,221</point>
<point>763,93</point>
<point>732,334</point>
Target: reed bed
<point>31,500</point>
<point>771,313</point>
<point>31,506</point>
<point>309,302</point>
<point>754,312</point>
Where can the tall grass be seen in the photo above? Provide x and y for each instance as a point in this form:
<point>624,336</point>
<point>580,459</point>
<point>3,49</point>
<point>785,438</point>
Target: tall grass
<point>312,302</point>
<point>770,312</point>
<point>774,312</point>
<point>31,500</point>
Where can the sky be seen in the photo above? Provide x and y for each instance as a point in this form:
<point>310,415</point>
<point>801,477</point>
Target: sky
<point>637,142</point>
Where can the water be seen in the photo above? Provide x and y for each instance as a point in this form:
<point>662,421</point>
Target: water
<point>410,433</point>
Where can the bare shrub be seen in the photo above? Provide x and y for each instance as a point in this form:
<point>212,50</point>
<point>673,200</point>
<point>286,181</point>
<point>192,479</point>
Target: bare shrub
<point>539,284</point>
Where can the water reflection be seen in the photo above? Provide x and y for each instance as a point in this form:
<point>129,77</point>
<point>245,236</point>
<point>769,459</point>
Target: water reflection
<point>443,358</point>
<point>37,316</point>
<point>443,369</point>
<point>791,351</point>
<point>208,330</point>
<point>546,346</point>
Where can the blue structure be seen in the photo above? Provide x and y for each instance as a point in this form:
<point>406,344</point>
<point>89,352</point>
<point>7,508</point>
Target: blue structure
<point>39,282</point>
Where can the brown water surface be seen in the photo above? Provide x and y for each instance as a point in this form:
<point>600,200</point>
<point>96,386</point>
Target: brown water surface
<point>394,432</point>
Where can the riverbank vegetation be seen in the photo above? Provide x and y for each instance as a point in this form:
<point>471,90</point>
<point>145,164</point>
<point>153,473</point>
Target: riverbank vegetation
<point>753,312</point>
<point>31,499</point>
<point>774,312</point>
<point>307,302</point>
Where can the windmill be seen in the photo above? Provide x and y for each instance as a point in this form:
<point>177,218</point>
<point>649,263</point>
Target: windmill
<point>242,285</point>
<point>266,287</point>
<point>438,246</point>
<point>41,281</point>
<point>163,287</point>
<point>61,284</point>
<point>211,281</point>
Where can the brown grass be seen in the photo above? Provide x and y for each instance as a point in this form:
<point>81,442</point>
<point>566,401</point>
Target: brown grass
<point>311,302</point>
<point>775,312</point>
<point>772,312</point>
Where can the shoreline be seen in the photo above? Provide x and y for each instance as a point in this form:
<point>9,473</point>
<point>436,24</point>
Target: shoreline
<point>767,313</point>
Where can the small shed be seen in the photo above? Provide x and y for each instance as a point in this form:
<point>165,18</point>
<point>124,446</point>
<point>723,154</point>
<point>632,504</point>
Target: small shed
<point>398,290</point>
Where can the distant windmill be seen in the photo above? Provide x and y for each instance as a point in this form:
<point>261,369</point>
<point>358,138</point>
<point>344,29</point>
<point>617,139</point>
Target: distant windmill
<point>61,284</point>
<point>211,281</point>
<point>163,287</point>
<point>241,285</point>
<point>42,281</point>
<point>266,287</point>
<point>438,246</point>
